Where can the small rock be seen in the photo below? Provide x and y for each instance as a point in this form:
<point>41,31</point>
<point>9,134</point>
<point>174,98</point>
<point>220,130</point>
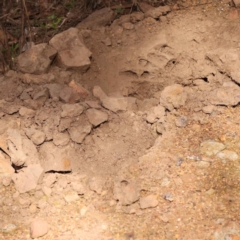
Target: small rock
<point>99,93</point>
<point>26,112</point>
<point>149,201</point>
<point>6,181</point>
<point>128,26</point>
<point>211,148</point>
<point>151,118</point>
<point>79,89</point>
<point>181,121</point>
<point>78,187</point>
<point>41,96</point>
<point>71,196</point>
<point>54,90</point>
<point>9,228</point>
<point>227,155</point>
<point>107,42</point>
<point>66,94</point>
<point>208,109</point>
<point>71,110</point>
<point>37,136</point>
<point>33,208</point>
<point>96,117</point>
<point>47,191</point>
<point>61,139</point>
<point>160,128</point>
<point>168,196</point>
<point>38,228</point>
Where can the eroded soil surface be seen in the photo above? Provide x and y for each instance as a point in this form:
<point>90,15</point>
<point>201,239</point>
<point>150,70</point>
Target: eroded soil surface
<point>138,175</point>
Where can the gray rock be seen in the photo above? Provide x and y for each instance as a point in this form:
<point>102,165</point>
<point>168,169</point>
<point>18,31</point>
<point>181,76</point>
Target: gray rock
<point>182,121</point>
<point>38,228</point>
<point>37,136</point>
<point>149,201</point>
<point>227,155</point>
<point>57,159</point>
<point>37,59</point>
<point>173,96</point>
<point>99,18</point>
<point>71,110</point>
<point>126,192</point>
<point>72,53</point>
<point>211,148</point>
<point>96,117</point>
<point>27,179</point>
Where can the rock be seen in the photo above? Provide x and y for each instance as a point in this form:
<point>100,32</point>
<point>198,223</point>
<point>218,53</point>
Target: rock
<point>151,118</point>
<point>20,149</point>
<point>145,7</point>
<point>38,79</point>
<point>78,187</point>
<point>64,124</point>
<point>49,179</point>
<point>65,95</point>
<point>41,96</point>
<point>136,17</point>
<point>149,201</point>
<point>99,18</point>
<point>10,108</point>
<point>159,111</point>
<point>228,96</point>
<point>211,148</point>
<point>96,184</point>
<point>96,117</point>
<point>6,168</point>
<point>33,208</point>
<point>38,228</point>
<point>236,3</point>
<point>79,130</point>
<point>8,228</point>
<point>93,104</point>
<point>71,196</point>
<point>26,112</point>
<point>173,96</point>
<point>83,93</point>
<point>6,181</point>
<point>181,121</point>
<point>227,155</point>
<point>107,41</point>
<point>99,93</point>
<point>160,128</point>
<point>115,104</point>
<point>72,53</point>
<point>128,26</point>
<point>126,192</point>
<point>54,90</point>
<point>71,110</point>
<point>37,59</point>
<point>37,136</point>
<point>208,109</point>
<point>168,196</point>
<point>47,191</point>
<point>61,139</point>
<point>157,12</point>
<point>147,104</point>
<point>27,179</point>
<point>55,159</point>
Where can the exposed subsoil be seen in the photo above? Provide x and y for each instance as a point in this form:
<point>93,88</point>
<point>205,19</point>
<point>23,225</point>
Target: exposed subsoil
<point>197,195</point>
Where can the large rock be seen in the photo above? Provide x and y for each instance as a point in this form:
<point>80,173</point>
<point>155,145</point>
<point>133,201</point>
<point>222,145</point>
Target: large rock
<point>55,159</point>
<point>37,59</point>
<point>96,117</point>
<point>99,18</point>
<point>228,96</point>
<point>27,179</point>
<point>173,96</point>
<point>72,53</point>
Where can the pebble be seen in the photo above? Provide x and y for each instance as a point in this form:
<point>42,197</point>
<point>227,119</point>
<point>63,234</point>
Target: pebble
<point>181,121</point>
<point>227,155</point>
<point>211,148</point>
<point>71,196</point>
<point>168,196</point>
<point>9,228</point>
<point>149,201</point>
